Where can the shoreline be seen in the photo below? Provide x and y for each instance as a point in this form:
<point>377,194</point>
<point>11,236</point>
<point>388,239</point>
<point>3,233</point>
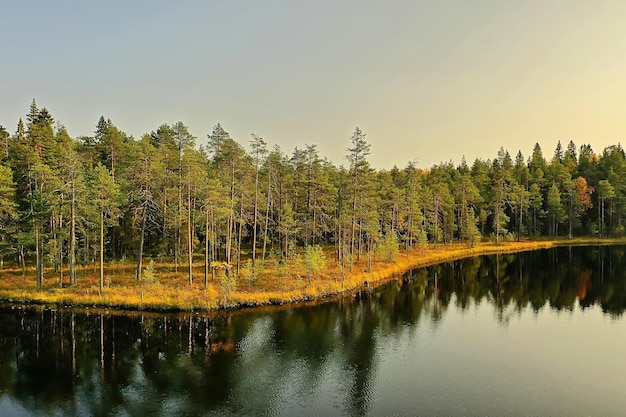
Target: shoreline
<point>171,296</point>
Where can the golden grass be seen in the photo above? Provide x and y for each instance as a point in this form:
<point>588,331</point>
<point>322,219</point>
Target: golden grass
<point>277,283</point>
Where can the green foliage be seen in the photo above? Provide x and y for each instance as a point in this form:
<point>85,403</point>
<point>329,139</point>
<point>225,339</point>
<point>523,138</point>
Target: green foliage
<point>388,248</point>
<point>555,208</point>
<point>8,207</point>
<point>149,276</point>
<point>228,282</point>
<point>288,227</point>
<point>606,191</point>
<point>247,274</point>
<point>314,261</point>
<point>470,232</point>
<point>162,196</point>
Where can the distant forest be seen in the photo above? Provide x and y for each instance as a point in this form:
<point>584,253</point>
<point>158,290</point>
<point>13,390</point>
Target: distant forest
<point>68,201</point>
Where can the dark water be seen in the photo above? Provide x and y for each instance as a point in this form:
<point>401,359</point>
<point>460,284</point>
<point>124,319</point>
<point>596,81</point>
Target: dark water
<point>536,334</point>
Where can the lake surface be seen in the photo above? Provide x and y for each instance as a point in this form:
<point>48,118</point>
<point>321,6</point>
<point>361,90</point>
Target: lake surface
<point>535,334</point>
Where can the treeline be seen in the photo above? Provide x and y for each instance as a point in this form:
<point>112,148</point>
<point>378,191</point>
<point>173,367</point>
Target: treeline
<point>66,201</point>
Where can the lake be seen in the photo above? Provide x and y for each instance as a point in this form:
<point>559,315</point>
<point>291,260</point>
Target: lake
<point>534,334</point>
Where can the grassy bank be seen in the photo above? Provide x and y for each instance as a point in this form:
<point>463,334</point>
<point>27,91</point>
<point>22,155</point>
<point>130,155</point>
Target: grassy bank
<point>275,283</point>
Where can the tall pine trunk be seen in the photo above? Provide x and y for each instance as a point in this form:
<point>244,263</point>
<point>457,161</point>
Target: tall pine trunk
<point>240,234</point>
<point>571,214</point>
<point>38,256</point>
<point>141,242</point>
<point>254,221</point>
<point>73,237</point>
<point>189,235</point>
<point>102,249</point>
<point>60,252</point>
<point>231,221</point>
<point>267,216</point>
<point>206,249</point>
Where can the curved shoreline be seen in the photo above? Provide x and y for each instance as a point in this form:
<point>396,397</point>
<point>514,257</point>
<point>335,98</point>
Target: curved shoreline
<point>316,291</point>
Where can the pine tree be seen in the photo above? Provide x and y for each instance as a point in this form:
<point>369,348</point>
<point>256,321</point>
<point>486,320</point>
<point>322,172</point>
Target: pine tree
<point>359,168</point>
<point>606,191</point>
<point>8,208</point>
<point>144,197</point>
<point>71,176</point>
<point>108,199</point>
<point>5,140</point>
<point>500,198</point>
<point>555,209</point>
<point>259,151</point>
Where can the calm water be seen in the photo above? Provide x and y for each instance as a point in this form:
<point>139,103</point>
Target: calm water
<point>536,334</point>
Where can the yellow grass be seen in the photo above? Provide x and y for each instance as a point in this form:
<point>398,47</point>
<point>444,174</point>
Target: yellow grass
<point>277,283</point>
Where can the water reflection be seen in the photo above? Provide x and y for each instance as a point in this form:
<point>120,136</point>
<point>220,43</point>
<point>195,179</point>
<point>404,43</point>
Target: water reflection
<point>321,360</point>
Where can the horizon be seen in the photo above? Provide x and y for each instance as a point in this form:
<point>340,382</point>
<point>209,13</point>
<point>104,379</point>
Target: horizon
<point>433,81</point>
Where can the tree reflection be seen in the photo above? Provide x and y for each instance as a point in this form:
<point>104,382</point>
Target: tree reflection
<point>86,362</point>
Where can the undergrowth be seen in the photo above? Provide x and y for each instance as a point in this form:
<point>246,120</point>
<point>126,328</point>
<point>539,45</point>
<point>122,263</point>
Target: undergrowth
<point>167,287</point>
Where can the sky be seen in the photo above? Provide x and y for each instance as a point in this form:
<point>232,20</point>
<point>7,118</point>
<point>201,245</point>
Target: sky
<point>427,81</point>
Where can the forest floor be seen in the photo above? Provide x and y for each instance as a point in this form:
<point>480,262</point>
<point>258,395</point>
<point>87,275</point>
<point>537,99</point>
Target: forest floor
<point>168,286</point>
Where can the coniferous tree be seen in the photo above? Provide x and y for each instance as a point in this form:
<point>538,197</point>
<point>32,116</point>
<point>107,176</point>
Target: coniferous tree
<point>554,209</point>
<point>71,172</point>
<point>231,165</point>
<point>230,200</point>
<point>5,140</point>
<point>8,209</point>
<point>606,191</point>
<point>500,196</point>
<point>110,144</point>
<point>359,169</point>
<point>259,151</point>
<point>535,204</point>
<point>144,198</point>
<point>193,174</point>
<point>107,197</point>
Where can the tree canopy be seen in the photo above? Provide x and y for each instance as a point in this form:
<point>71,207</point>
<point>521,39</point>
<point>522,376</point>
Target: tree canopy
<point>70,200</point>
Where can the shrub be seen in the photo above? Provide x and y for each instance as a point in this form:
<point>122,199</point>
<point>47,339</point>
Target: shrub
<point>228,282</point>
<point>149,274</point>
<point>314,261</point>
<point>388,248</point>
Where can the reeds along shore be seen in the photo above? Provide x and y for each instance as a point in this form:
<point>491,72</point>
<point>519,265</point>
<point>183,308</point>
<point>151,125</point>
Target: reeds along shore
<point>275,283</point>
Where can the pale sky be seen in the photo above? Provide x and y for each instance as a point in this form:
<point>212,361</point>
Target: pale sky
<point>425,80</point>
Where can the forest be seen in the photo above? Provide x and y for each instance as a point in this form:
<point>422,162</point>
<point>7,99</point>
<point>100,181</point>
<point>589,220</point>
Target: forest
<point>66,201</point>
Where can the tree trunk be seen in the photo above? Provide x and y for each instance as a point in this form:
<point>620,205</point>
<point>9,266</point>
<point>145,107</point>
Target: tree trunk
<point>436,221</point>
<point>60,270</point>
<point>101,250</point>
<point>314,231</point>
<point>206,249</point>
<point>360,243</point>
<point>239,234</point>
<point>213,238</point>
<point>267,216</point>
<point>177,231</point>
<point>353,234</point>
<point>22,261</point>
<point>73,237</point>
<point>571,204</point>
<point>189,235</point>
<point>519,222</point>
<point>601,217</point>
<point>231,220</point>
<point>38,257</point>
<point>369,254</point>
<point>164,235</point>
<point>141,242</point>
<point>254,221</point>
